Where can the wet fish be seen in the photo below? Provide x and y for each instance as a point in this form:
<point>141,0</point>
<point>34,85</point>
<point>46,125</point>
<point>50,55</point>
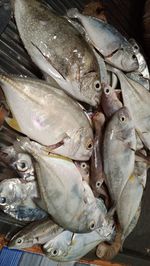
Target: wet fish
<point>109,100</point>
<point>133,93</point>
<point>21,162</point>
<point>136,76</point>
<point>97,172</point>
<point>131,196</point>
<point>35,234</point>
<point>43,106</point>
<point>16,199</point>
<point>108,41</point>
<point>58,49</point>
<point>64,190</point>
<point>68,246</point>
<point>119,152</point>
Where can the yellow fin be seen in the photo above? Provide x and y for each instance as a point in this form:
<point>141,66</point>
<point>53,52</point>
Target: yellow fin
<point>12,122</point>
<point>132,178</point>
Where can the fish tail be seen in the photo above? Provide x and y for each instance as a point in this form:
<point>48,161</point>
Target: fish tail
<point>73,13</point>
<point>106,251</point>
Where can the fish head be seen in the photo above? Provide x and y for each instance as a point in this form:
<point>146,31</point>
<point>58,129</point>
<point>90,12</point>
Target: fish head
<point>7,193</point>
<point>84,170</point>
<point>24,166</point>
<point>58,247</point>
<point>90,88</point>
<point>19,242</point>
<point>125,59</point>
<point>122,120</point>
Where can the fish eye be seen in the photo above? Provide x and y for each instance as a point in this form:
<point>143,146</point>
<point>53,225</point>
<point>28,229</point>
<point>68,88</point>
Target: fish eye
<point>55,252</point>
<point>98,184</point>
<point>107,91</point>
<point>122,118</point>
<point>19,241</point>
<point>89,145</point>
<point>83,165</point>
<point>136,47</point>
<point>133,56</point>
<point>92,225</point>
<point>2,200</point>
<point>22,166</point>
<point>97,85</point>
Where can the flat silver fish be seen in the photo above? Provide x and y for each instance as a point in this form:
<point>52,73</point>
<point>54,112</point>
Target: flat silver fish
<point>63,190</point>
<point>58,49</point>
<point>119,152</point>
<point>16,199</point>
<point>108,41</point>
<point>43,106</point>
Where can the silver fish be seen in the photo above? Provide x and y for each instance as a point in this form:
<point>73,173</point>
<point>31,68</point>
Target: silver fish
<point>35,233</point>
<point>43,106</point>
<point>21,162</point>
<point>145,82</point>
<point>16,199</point>
<point>84,169</point>
<point>133,93</point>
<point>64,190</point>
<point>108,41</point>
<point>68,246</point>
<point>119,152</point>
<point>58,49</point>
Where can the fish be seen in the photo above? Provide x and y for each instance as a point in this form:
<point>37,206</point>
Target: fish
<point>133,93</point>
<point>43,106</point>
<point>35,234</point>
<point>136,76</point>
<point>97,177</point>
<point>63,191</point>
<point>131,196</point>
<point>21,162</point>
<point>16,199</point>
<point>109,100</point>
<point>115,48</point>
<point>119,152</point>
<point>58,49</point>
<point>68,246</point>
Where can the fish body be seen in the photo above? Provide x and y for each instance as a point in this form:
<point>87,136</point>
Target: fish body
<point>119,152</point>
<point>108,41</point>
<point>68,246</point>
<point>136,76</point>
<point>35,233</point>
<point>58,49</point>
<point>131,196</point>
<point>43,107</point>
<point>64,191</point>
<point>16,199</point>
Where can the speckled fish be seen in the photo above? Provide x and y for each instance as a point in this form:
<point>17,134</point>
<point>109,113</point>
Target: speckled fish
<point>97,172</point>
<point>58,49</point>
<point>119,152</point>
<point>131,196</point>
<point>21,162</point>
<point>16,199</point>
<point>108,41</point>
<point>64,190</point>
<point>43,106</point>
<point>36,233</point>
<point>109,100</point>
<point>137,99</point>
<point>68,246</point>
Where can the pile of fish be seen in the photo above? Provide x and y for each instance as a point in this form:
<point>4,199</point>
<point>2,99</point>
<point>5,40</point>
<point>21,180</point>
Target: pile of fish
<point>77,171</point>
